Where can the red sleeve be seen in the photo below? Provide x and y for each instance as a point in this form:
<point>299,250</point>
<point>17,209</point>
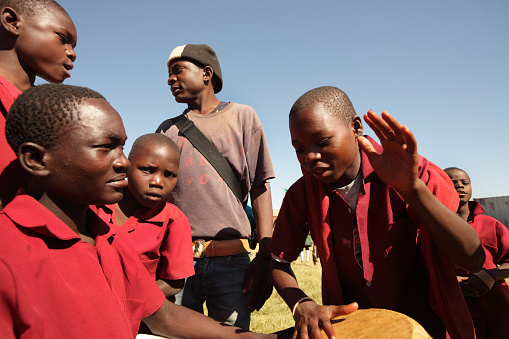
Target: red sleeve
<point>291,228</point>
<point>176,260</point>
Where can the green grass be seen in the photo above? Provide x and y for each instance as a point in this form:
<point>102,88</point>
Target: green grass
<point>275,314</point>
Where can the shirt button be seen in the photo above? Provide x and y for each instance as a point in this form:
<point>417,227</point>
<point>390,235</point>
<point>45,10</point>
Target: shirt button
<point>349,210</point>
<point>368,283</point>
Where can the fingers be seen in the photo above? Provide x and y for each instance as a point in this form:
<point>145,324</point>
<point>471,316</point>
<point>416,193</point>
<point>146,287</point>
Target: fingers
<point>387,128</point>
<point>336,311</point>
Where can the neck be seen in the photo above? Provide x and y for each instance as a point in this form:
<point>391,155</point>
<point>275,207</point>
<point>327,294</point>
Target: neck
<point>205,104</point>
<point>128,205</point>
<point>74,216</point>
<point>14,72</point>
<point>463,211</point>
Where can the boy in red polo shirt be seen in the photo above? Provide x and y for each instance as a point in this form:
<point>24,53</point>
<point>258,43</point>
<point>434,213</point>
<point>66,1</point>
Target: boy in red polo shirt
<point>65,272</point>
<point>161,232</point>
<point>381,218</point>
<point>37,38</point>
<point>486,292</point>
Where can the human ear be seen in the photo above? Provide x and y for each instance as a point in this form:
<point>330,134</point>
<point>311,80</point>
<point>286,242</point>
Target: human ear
<point>33,158</point>
<point>208,72</point>
<point>10,20</point>
<point>357,125</point>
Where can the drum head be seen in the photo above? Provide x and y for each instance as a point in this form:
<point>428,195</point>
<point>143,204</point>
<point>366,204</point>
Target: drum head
<point>377,323</point>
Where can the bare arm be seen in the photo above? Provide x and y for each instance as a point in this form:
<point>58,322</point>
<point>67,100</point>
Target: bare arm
<point>175,321</point>
<point>170,287</point>
<point>398,166</point>
<point>310,318</point>
<point>257,275</point>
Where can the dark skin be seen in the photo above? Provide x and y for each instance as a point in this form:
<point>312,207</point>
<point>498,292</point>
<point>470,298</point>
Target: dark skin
<point>94,147</point>
<point>193,85</point>
<point>324,147</point>
<point>41,45</point>
<point>473,286</point>
<point>152,177</point>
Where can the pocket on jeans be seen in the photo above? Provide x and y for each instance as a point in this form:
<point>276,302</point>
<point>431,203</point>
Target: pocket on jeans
<point>240,260</point>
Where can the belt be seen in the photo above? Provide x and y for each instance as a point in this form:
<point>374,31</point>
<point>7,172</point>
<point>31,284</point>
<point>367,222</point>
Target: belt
<point>219,248</point>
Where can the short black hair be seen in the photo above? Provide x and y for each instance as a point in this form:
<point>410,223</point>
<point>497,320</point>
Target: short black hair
<point>29,7</point>
<point>39,114</point>
<point>455,169</point>
<point>154,138</point>
<point>335,101</point>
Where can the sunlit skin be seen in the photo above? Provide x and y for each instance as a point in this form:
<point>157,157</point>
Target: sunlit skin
<point>152,176</point>
<point>87,165</point>
<point>44,46</point>
<point>461,182</point>
<point>325,146</point>
<point>328,149</point>
<point>192,85</point>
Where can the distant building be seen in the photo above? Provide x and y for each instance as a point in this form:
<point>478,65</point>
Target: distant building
<point>496,207</point>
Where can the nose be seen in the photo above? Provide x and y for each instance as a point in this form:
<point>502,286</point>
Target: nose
<point>313,156</point>
<point>156,180</point>
<point>171,79</point>
<point>121,163</point>
<point>70,53</point>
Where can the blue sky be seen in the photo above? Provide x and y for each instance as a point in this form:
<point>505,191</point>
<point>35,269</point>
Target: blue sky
<point>440,67</point>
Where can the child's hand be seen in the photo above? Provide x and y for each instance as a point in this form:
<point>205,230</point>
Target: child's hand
<point>311,318</point>
<point>397,166</point>
<point>477,285</point>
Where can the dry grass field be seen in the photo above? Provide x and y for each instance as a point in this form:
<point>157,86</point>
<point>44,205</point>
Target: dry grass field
<point>275,314</point>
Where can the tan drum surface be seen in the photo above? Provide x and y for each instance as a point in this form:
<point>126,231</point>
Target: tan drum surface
<point>377,323</point>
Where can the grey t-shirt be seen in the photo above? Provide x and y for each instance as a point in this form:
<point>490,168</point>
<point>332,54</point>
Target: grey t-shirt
<point>213,210</point>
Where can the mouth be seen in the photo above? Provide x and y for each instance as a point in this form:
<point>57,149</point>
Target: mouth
<point>119,182</point>
<point>153,196</point>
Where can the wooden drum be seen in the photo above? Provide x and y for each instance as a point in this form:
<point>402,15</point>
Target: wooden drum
<point>377,323</point>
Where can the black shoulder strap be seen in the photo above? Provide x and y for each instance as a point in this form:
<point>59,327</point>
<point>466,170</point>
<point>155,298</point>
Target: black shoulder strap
<point>209,151</point>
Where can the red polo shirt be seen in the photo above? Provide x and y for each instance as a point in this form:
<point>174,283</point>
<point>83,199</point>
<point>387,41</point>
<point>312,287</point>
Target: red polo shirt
<point>493,307</point>
<point>10,178</point>
<point>53,285</point>
<point>401,269</point>
<point>162,239</point>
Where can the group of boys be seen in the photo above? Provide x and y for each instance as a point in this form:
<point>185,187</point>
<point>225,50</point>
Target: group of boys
<point>78,221</point>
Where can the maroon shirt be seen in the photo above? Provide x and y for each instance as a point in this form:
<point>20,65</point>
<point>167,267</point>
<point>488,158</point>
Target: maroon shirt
<point>401,269</point>
<point>53,285</point>
<point>493,307</point>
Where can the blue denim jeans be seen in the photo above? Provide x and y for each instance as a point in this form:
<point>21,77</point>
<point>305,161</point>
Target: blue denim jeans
<point>218,281</point>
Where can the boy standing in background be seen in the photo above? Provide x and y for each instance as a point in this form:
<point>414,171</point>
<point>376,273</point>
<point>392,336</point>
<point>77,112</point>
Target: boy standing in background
<point>235,285</point>
<point>486,292</point>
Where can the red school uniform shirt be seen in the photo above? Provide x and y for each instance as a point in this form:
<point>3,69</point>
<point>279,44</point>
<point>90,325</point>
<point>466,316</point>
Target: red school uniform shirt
<point>494,305</point>
<point>10,169</point>
<point>162,239</point>
<point>400,265</point>
<point>53,285</point>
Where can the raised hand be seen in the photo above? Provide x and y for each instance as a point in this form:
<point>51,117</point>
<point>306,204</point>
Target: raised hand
<point>398,164</point>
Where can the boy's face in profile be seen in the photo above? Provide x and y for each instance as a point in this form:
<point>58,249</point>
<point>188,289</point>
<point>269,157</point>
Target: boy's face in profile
<point>185,80</point>
<point>325,146</point>
<point>461,182</point>
<point>88,166</point>
<point>46,44</point>
<point>153,174</point>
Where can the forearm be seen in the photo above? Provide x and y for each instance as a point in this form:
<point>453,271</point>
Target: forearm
<point>285,283</point>
<point>453,236</point>
<point>261,201</point>
<point>179,322</point>
<point>170,287</point>
<point>499,273</point>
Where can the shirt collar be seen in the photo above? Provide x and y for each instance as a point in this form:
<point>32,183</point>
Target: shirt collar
<point>27,212</point>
